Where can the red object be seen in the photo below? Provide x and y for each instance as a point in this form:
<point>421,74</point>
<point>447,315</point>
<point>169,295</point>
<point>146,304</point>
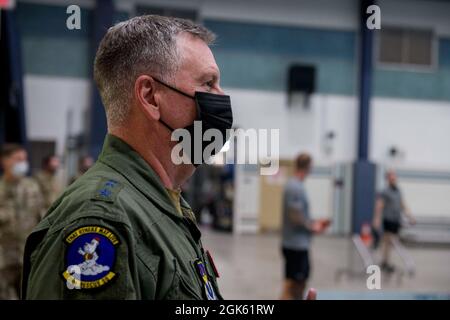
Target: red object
<point>325,223</point>
<point>212,264</point>
<point>5,3</point>
<point>366,234</point>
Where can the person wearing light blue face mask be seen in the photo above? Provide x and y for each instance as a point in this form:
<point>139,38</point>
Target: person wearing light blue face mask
<point>21,208</point>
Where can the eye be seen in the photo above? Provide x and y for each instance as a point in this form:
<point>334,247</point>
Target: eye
<point>209,84</point>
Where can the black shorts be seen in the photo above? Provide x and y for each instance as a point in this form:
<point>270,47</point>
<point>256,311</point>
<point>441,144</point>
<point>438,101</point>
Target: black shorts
<point>296,264</point>
<point>391,226</point>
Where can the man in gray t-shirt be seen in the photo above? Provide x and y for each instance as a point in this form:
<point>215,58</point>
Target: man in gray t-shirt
<point>389,209</point>
<point>298,227</point>
<point>296,236</point>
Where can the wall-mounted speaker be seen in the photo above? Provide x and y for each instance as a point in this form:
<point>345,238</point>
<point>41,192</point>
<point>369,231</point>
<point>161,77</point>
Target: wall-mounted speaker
<point>301,80</point>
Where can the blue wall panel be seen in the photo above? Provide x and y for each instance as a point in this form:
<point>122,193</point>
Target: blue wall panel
<point>431,84</point>
<point>49,48</point>
<point>256,56</point>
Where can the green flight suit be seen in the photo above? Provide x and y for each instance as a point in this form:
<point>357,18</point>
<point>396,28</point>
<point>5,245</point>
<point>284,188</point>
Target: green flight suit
<point>115,233</point>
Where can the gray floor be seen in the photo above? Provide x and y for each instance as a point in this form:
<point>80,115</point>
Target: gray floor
<point>250,267</point>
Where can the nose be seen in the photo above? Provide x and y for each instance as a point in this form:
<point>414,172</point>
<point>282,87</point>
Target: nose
<point>219,90</point>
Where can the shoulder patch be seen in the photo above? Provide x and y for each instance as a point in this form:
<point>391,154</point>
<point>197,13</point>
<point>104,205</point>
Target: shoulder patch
<point>107,190</point>
<point>90,257</point>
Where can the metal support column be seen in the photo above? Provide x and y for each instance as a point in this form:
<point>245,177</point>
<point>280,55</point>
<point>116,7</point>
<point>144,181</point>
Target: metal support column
<point>363,170</point>
<point>102,20</point>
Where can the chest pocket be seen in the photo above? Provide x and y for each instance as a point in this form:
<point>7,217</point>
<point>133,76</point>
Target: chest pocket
<point>185,285</point>
<point>148,273</point>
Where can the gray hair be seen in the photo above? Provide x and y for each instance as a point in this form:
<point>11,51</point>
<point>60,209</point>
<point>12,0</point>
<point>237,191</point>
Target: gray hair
<point>144,44</point>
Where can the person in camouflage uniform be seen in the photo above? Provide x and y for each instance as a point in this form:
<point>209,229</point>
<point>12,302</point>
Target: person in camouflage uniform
<point>21,207</point>
<point>48,180</point>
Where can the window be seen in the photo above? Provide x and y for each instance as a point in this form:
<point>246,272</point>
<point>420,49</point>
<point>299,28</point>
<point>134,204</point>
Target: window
<point>406,47</point>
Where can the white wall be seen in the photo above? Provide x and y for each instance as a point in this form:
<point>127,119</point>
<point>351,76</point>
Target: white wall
<point>417,13</point>
<point>300,130</point>
<point>427,198</point>
<point>341,14</point>
<point>81,3</point>
<point>419,129</point>
<point>48,101</point>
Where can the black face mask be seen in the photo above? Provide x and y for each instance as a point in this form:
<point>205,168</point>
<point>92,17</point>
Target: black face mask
<point>214,112</point>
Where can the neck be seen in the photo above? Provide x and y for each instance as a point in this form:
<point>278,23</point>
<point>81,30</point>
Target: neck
<point>156,155</point>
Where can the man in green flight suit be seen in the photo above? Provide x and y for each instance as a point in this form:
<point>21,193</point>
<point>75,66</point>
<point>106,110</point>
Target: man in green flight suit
<point>122,230</point>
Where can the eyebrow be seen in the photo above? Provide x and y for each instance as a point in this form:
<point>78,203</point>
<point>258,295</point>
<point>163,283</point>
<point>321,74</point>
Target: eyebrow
<point>213,73</point>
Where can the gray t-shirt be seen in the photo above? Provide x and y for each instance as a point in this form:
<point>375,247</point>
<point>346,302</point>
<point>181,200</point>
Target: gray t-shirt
<point>294,236</point>
<point>392,199</point>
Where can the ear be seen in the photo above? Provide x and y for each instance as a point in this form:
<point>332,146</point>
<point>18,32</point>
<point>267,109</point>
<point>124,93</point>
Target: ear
<point>144,90</point>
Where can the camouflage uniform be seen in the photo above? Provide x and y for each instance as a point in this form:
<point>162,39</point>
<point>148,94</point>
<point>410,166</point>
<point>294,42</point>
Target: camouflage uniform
<point>20,210</point>
<point>50,187</point>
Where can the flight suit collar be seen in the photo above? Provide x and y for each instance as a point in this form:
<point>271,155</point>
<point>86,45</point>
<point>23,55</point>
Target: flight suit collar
<point>120,156</point>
